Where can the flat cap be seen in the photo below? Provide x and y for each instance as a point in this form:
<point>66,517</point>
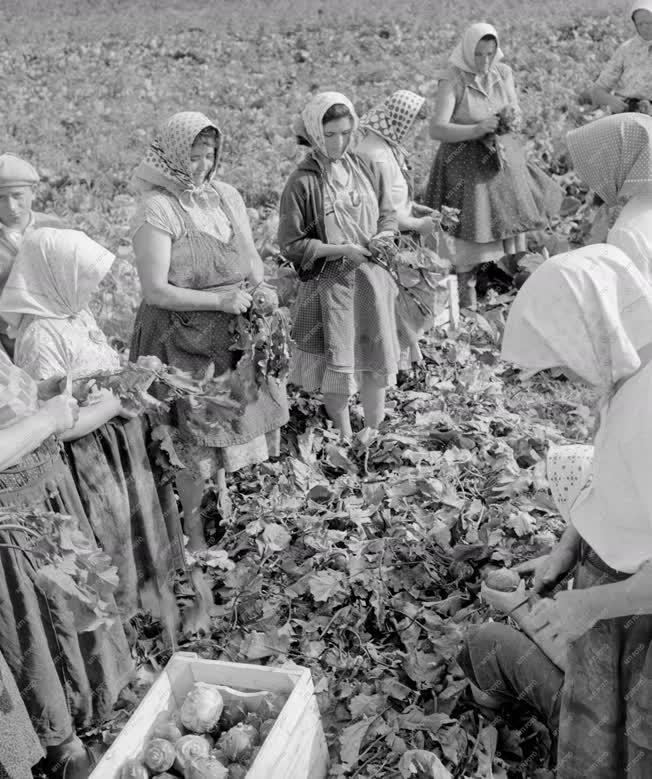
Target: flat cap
<point>15,172</point>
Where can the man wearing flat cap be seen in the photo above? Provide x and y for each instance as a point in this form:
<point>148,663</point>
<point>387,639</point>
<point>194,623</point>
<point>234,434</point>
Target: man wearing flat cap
<point>18,182</point>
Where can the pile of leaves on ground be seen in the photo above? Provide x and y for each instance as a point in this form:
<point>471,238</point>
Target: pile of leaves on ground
<point>361,561</point>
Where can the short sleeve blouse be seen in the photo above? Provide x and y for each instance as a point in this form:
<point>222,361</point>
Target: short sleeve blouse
<point>159,210</point>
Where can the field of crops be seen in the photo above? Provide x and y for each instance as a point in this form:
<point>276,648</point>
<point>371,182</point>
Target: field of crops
<point>360,562</point>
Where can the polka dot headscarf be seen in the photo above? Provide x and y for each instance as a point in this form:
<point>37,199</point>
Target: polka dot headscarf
<point>614,155</point>
<point>393,119</point>
<point>167,161</point>
<point>569,471</point>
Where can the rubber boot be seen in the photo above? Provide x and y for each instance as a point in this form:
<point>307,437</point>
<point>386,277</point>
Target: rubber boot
<point>468,297</point>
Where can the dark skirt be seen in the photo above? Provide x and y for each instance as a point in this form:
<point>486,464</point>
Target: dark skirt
<point>137,526</point>
<point>191,341</point>
<point>65,678</point>
<point>494,204</point>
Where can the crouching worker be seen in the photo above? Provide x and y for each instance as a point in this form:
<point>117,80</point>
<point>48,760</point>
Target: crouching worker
<point>588,313</point>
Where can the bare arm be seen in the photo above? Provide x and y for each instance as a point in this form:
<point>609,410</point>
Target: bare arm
<point>92,417</point>
<point>27,434</point>
<point>24,437</point>
<point>153,249</point>
<point>441,127</point>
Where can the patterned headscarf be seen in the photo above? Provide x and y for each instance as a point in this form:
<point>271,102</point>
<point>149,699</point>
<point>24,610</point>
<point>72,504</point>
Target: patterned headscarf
<point>393,119</point>
<point>167,161</point>
<point>568,469</point>
<point>613,155</point>
<point>18,393</point>
<point>54,275</point>
<point>463,55</point>
<point>589,310</point>
<point>310,124</point>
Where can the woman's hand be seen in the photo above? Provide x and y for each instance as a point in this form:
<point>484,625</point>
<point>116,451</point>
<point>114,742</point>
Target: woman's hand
<point>418,210</point>
<point>567,616</point>
<point>358,254</point>
<point>233,300</point>
<point>550,568</point>
<point>617,104</point>
<point>62,411</point>
<point>488,125</point>
<point>427,225</point>
<point>50,388</point>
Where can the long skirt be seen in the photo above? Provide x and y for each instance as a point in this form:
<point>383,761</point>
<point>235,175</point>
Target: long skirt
<point>191,341</point>
<point>19,744</point>
<point>600,710</point>
<point>123,504</point>
<point>65,678</point>
<point>345,326</point>
<point>495,204</point>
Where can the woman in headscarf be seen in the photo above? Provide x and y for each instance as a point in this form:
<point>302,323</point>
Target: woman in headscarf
<point>588,313</point>
<point>45,301</point>
<point>383,131</point>
<point>198,264</point>
<point>487,176</point>
<point>66,679</point>
<point>332,207</point>
<point>613,156</point>
<point>626,78</point>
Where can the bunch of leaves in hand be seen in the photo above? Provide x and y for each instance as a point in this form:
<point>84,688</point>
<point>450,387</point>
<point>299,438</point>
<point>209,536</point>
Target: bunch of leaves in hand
<point>132,383</point>
<point>66,562</point>
<point>508,120</point>
<point>262,335</point>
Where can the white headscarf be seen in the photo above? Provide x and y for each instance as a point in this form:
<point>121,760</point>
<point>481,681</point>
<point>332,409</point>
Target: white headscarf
<point>641,5</point>
<point>613,155</point>
<point>463,55</point>
<point>589,310</point>
<point>54,275</point>
<point>311,125</point>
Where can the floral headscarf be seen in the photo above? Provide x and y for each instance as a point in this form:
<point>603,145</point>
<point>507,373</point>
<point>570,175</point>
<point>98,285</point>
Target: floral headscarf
<point>310,123</point>
<point>589,310</point>
<point>463,55</point>
<point>613,155</point>
<point>393,119</point>
<point>167,161</point>
<point>54,275</point>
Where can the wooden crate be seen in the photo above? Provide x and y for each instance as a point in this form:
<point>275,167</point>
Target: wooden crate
<point>295,747</point>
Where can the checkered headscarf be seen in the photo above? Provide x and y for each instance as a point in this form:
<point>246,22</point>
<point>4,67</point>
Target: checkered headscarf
<point>393,119</point>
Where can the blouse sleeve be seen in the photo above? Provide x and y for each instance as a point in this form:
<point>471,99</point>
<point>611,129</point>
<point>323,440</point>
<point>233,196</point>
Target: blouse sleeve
<point>156,210</point>
<point>40,354</point>
<point>613,71</point>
